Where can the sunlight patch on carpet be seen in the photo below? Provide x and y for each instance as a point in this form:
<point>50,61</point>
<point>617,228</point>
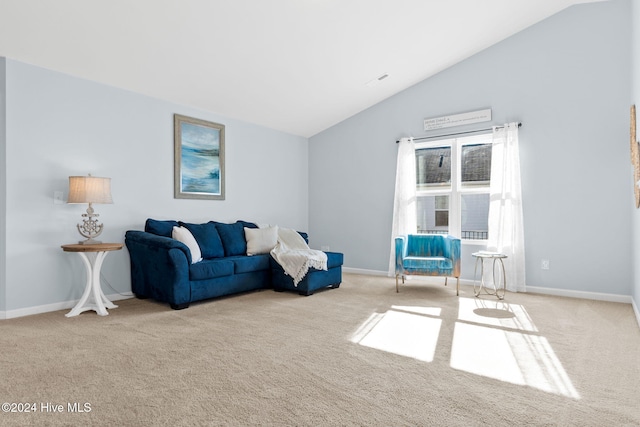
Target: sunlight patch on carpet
<point>405,331</point>
<point>507,349</point>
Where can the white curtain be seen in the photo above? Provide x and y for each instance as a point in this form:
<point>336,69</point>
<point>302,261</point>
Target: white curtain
<point>404,203</point>
<point>506,233</point>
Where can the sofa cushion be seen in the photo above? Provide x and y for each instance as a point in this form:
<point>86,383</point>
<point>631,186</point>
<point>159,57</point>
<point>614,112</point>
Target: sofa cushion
<point>334,259</point>
<point>208,239</point>
<point>160,228</point>
<point>210,269</point>
<point>183,235</point>
<point>248,264</point>
<point>247,224</point>
<point>260,240</point>
<point>232,236</point>
<point>426,263</point>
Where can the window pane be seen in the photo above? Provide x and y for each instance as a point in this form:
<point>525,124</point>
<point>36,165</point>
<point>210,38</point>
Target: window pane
<point>475,216</point>
<point>433,167</point>
<point>442,202</point>
<point>442,218</point>
<point>476,164</point>
<point>432,220</point>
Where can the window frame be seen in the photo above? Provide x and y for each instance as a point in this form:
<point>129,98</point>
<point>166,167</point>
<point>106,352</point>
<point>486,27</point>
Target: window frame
<point>456,189</point>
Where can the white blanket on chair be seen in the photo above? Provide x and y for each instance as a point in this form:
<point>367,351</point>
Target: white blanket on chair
<point>294,255</point>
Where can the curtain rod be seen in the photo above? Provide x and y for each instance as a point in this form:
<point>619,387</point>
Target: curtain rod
<point>458,133</point>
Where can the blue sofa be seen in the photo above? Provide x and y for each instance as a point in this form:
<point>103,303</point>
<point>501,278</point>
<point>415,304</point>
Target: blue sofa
<point>161,267</point>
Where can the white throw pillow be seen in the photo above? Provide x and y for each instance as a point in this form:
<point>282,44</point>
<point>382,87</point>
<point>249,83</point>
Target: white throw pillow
<point>183,235</point>
<point>261,240</point>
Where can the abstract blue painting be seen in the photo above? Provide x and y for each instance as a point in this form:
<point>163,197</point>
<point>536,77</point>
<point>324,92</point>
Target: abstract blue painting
<point>199,159</point>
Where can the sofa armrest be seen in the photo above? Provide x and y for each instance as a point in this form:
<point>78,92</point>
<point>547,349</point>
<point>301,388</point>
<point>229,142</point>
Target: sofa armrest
<point>159,267</point>
<point>401,252</point>
<point>452,251</point>
<point>157,242</point>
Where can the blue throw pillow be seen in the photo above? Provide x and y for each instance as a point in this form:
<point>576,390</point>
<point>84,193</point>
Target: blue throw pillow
<point>233,240</point>
<point>247,224</point>
<point>208,239</point>
<point>160,228</point>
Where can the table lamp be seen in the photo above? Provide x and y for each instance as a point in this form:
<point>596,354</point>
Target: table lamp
<point>89,189</point>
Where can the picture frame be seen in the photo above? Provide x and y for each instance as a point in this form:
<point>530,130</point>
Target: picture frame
<point>198,159</point>
<point>635,155</point>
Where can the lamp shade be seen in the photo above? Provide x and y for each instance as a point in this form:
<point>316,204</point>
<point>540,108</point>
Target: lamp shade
<point>89,189</point>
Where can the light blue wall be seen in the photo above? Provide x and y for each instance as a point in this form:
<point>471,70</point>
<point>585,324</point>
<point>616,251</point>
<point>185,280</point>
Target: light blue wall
<point>567,80</point>
<point>58,126</point>
<point>3,163</point>
<point>635,81</point>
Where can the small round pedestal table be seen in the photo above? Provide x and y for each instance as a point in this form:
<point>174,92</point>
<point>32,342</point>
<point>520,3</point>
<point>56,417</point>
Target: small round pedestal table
<point>499,277</point>
<point>92,257</point>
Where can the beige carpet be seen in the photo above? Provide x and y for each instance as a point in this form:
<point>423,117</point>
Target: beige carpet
<point>360,355</point>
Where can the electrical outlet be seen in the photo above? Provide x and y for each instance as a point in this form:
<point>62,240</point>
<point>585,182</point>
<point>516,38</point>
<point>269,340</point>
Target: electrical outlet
<point>325,248</point>
<point>57,198</point>
<point>545,264</point>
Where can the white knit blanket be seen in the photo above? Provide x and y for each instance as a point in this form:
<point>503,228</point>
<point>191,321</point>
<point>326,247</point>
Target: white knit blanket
<point>294,255</point>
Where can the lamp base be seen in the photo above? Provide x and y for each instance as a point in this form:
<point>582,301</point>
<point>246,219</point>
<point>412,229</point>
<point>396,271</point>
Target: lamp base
<point>90,227</point>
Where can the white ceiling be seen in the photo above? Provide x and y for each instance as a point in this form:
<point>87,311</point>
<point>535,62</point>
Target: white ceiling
<point>297,66</point>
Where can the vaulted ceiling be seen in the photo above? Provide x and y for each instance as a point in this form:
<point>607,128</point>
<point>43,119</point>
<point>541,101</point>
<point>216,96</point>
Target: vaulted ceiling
<point>298,66</point>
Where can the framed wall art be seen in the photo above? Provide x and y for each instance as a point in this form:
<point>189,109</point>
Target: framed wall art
<point>635,156</point>
<point>198,159</point>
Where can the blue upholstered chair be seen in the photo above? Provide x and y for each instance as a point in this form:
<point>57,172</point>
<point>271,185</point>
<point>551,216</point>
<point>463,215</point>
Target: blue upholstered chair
<point>428,255</point>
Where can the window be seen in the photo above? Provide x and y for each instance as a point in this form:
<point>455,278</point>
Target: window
<point>442,211</point>
<point>452,186</point>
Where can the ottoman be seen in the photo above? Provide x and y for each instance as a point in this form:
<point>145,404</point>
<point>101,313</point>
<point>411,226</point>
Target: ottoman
<point>314,280</point>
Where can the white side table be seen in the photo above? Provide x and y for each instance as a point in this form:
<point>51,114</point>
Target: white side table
<point>499,280</point>
<point>92,256</point>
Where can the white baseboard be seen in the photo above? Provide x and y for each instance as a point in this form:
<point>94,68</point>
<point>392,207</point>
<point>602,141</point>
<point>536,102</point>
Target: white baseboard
<point>365,272</point>
<point>636,311</point>
<point>581,294</point>
<point>28,311</point>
